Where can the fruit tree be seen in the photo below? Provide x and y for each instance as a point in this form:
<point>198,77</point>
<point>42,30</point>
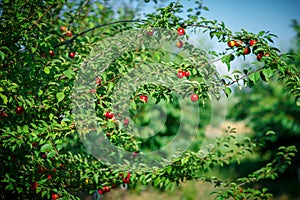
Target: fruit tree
<point>85,91</point>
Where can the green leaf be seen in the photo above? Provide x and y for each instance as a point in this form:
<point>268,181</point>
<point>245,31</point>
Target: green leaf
<point>156,182</point>
<point>33,49</point>
<point>60,96</point>
<point>96,178</point>
<point>169,170</point>
<point>298,101</point>
<point>51,154</point>
<point>268,73</point>
<point>46,147</point>
<point>261,33</point>
<point>270,133</point>
<point>40,14</point>
<point>47,70</point>
<point>227,91</point>
<point>68,73</point>
<point>220,198</point>
<point>227,59</point>
<point>4,98</point>
<point>2,55</point>
<point>40,92</point>
<point>263,77</point>
<point>110,87</point>
<point>205,8</point>
<point>254,77</point>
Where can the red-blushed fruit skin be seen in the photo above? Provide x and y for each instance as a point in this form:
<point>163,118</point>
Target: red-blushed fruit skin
<point>106,188</point>
<point>109,115</point>
<point>3,114</point>
<point>231,43</point>
<point>43,155</point>
<point>259,56</point>
<point>34,144</point>
<point>247,50</point>
<point>72,54</point>
<point>144,98</point>
<point>98,81</point>
<point>179,44</point>
<point>19,110</point>
<point>128,175</point>
<point>238,43</point>
<point>127,178</point>
<point>62,166</point>
<point>93,90</point>
<point>194,97</point>
<point>69,33</point>
<point>187,74</point>
<point>180,74</point>
<point>180,31</point>
<point>63,28</point>
<point>126,121</point>
<point>135,154</point>
<point>55,196</point>
<point>100,191</point>
<point>34,186</point>
<point>51,53</point>
<point>41,169</point>
<point>150,33</point>
<point>252,42</point>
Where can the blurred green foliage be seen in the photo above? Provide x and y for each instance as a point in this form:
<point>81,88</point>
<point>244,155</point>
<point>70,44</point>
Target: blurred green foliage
<point>273,115</point>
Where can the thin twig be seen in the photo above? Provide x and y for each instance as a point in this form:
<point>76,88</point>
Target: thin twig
<point>95,27</point>
<point>36,22</point>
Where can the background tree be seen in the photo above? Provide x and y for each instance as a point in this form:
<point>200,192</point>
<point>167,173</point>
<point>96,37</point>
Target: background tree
<point>269,107</point>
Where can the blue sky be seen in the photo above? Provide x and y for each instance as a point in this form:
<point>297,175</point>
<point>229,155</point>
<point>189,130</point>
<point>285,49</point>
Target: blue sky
<point>274,16</point>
